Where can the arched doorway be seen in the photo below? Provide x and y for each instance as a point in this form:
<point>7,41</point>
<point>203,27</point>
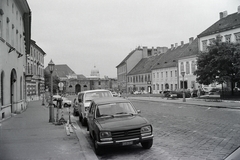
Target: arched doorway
<point>77,88</point>
<point>13,87</point>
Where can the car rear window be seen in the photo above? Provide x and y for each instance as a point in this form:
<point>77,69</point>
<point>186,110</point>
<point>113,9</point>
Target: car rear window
<point>99,94</point>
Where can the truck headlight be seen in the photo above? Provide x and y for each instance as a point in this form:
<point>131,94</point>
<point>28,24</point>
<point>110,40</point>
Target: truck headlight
<point>105,136</point>
<point>146,130</point>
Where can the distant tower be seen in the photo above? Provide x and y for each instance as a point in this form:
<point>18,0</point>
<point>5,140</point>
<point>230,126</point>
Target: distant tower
<point>95,72</point>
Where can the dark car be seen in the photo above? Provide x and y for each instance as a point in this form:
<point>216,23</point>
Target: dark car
<point>114,121</point>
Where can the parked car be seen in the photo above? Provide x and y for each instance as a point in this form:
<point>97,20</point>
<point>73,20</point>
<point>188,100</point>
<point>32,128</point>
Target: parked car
<point>114,94</point>
<point>215,91</point>
<point>144,92</point>
<point>65,102</point>
<point>84,100</point>
<point>136,92</point>
<point>114,121</point>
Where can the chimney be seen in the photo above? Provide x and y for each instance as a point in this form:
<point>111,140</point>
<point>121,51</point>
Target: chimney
<point>144,52</point>
<point>176,45</point>
<point>190,40</point>
<point>238,9</point>
<point>182,43</point>
<point>225,14</point>
<point>158,50</point>
<point>221,15</point>
<point>172,46</point>
<point>152,51</point>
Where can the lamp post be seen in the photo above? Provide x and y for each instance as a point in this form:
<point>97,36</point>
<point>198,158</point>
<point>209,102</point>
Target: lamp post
<point>183,74</point>
<point>51,109</point>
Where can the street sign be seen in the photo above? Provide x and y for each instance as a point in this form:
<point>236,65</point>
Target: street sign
<point>60,84</point>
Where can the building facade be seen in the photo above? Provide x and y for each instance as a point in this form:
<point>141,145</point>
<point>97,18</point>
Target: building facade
<point>129,62</point>
<point>15,35</point>
<point>226,29</point>
<point>35,73</point>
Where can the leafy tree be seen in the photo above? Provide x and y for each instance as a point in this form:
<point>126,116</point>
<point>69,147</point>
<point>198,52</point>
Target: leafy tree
<point>220,63</point>
<point>56,80</point>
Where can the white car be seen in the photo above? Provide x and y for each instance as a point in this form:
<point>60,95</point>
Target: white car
<point>84,100</point>
<point>65,102</point>
<point>114,94</point>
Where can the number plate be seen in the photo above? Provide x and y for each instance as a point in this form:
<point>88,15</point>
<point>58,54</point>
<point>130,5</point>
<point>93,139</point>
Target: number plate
<point>127,143</point>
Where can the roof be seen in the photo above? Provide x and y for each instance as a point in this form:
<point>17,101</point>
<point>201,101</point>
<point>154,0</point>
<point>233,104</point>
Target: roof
<point>81,76</point>
<point>227,23</point>
<point>62,70</point>
<point>126,58</point>
<point>191,50</point>
<point>169,59</point>
<point>35,45</point>
<point>105,100</point>
<point>145,65</point>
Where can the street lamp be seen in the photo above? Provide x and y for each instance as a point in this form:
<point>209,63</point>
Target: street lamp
<point>184,100</point>
<point>51,109</point>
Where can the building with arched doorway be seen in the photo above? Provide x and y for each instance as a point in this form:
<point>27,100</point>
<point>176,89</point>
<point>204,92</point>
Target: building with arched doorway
<point>75,83</point>
<point>15,35</point>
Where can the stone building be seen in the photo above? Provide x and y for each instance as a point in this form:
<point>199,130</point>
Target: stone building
<point>35,72</point>
<point>15,36</point>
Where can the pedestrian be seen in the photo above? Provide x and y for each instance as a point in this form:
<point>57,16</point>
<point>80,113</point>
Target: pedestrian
<point>191,92</point>
<point>199,92</point>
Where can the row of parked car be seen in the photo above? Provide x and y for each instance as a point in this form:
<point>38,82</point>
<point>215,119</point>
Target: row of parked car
<point>111,121</point>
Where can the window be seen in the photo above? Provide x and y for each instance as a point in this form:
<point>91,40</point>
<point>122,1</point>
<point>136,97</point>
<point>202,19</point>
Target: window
<point>171,73</point>
<point>12,35</point>
<point>2,88</point>
<point>12,8</point>
<point>193,66</point>
<point>1,25</point>
<point>175,73</point>
<point>157,75</point>
<point>219,38</point>
<point>204,45</point>
<point>166,74</point>
<point>154,87</point>
<point>182,67</point>
<point>237,36</point>
<point>171,87</point>
<point>21,88</point>
<point>228,38</point>
<point>7,29</point>
<point>211,41</point>
<point>187,68</point>
<point>162,74</point>
<point>157,86</point>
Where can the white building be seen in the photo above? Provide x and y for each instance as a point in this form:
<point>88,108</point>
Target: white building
<point>15,32</point>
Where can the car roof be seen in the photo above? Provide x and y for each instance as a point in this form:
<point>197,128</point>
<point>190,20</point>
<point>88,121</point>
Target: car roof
<point>96,90</point>
<point>109,100</point>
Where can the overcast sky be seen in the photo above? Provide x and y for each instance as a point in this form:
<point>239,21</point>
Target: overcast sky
<point>84,33</point>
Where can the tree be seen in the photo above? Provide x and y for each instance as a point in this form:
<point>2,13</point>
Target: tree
<point>220,63</point>
<point>56,80</point>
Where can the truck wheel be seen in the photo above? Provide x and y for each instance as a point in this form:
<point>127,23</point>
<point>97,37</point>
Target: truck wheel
<point>97,148</point>
<point>147,144</point>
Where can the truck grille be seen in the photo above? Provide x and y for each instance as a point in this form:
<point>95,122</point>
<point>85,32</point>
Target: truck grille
<point>126,134</point>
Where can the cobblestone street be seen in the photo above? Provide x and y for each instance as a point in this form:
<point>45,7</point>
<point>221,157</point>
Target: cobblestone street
<point>185,132</point>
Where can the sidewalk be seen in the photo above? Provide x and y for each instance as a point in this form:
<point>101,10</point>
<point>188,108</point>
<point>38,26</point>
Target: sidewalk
<point>29,135</point>
<point>193,101</point>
